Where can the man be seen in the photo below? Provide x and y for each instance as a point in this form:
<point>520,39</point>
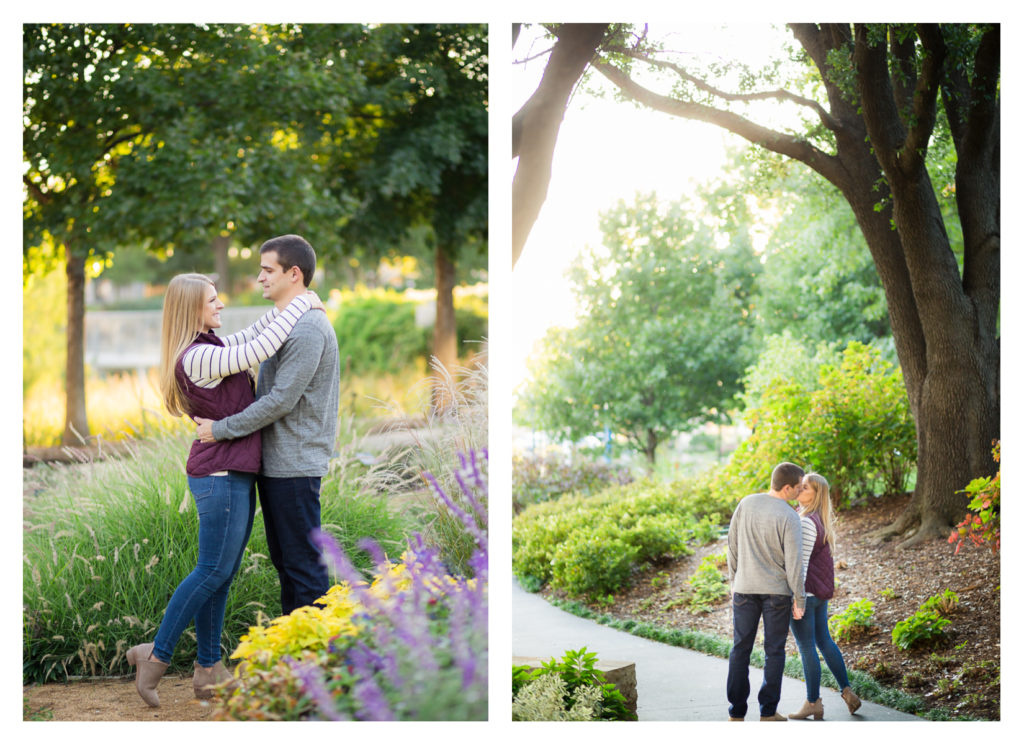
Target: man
<point>766,575</point>
<point>297,409</point>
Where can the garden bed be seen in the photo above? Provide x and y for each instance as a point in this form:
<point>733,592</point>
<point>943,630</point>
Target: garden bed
<point>960,674</point>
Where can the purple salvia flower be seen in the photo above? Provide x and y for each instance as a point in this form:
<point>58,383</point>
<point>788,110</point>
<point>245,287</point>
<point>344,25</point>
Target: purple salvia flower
<point>473,503</point>
<point>463,517</point>
<point>373,548</point>
<point>372,702</point>
<point>345,570</point>
<point>312,682</point>
<point>457,636</point>
<point>473,471</point>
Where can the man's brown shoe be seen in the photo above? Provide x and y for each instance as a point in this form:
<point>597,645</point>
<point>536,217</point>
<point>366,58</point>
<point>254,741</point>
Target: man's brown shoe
<point>776,717</point>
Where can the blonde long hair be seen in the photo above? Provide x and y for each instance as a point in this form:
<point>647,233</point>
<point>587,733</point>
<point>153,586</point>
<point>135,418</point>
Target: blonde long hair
<point>822,504</point>
<point>182,322</point>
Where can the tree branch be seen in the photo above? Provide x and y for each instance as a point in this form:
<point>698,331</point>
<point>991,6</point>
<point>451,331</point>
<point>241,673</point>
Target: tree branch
<point>984,110</point>
<point>778,94</point>
<point>532,57</point>
<point>881,116</point>
<point>905,79</point>
<point>794,147</point>
<point>925,96</point>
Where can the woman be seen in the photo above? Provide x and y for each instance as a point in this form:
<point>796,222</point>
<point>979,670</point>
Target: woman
<point>811,631</point>
<point>204,375</point>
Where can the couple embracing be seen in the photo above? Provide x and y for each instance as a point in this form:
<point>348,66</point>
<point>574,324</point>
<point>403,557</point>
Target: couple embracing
<point>278,435</point>
<point>781,570</point>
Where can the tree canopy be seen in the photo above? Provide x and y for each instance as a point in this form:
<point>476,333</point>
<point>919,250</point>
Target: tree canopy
<point>663,333</point>
<point>185,137</point>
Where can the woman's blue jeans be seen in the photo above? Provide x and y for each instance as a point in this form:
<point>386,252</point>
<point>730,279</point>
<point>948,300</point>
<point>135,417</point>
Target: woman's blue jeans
<point>226,505</point>
<point>811,634</point>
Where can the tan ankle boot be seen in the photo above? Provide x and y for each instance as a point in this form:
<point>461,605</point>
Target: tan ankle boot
<point>816,710</point>
<point>148,671</point>
<point>206,678</point>
<point>852,702</point>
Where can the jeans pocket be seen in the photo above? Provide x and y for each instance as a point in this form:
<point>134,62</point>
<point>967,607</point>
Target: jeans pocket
<point>201,486</point>
<point>203,491</point>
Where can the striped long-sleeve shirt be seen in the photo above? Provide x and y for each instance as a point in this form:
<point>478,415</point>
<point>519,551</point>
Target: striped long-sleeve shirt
<point>206,364</point>
<point>810,535</point>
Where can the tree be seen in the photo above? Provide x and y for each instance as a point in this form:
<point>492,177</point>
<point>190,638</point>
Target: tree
<point>870,139</point>
<point>86,104</point>
<point>663,332</point>
<point>535,126</point>
<point>426,167</point>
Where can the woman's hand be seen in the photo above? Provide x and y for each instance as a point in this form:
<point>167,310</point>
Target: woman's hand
<point>314,301</point>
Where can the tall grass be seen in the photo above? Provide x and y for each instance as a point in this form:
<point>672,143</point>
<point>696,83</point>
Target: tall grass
<point>454,428</point>
<point>106,543</point>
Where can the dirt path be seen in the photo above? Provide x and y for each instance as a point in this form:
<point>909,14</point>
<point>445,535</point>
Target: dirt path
<point>114,701</point>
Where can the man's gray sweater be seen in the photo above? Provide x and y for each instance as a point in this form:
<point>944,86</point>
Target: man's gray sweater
<point>296,403</point>
<point>765,548</point>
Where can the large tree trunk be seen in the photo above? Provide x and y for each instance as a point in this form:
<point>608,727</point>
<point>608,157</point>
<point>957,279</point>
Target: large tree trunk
<point>76,424</point>
<point>535,126</point>
<point>445,346</point>
<point>956,405</point>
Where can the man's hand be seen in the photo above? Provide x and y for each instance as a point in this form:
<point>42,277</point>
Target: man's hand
<point>204,433</point>
<point>798,613</point>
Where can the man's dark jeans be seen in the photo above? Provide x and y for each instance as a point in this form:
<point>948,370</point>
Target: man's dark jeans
<point>291,512</point>
<point>747,611</point>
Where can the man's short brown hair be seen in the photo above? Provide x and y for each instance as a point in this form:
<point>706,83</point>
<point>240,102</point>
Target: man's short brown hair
<point>293,250</point>
<point>786,474</point>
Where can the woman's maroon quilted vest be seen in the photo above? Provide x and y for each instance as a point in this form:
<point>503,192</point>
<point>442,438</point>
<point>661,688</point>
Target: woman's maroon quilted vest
<point>820,571</point>
<point>234,393</point>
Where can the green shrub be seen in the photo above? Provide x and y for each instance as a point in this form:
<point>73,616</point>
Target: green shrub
<point>377,330</point>
<point>471,322</point>
<point>855,426</point>
<point>589,545</point>
<point>540,477</point>
<point>577,669</point>
<point>708,583</point>
<point>921,628</point>
<point>594,562</point>
<point>856,618</point>
<point>943,604</point>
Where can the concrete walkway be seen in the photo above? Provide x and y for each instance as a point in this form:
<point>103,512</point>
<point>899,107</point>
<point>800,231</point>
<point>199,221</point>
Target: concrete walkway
<point>673,684</point>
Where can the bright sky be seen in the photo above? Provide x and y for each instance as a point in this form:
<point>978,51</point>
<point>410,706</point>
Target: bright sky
<point>609,150</point>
